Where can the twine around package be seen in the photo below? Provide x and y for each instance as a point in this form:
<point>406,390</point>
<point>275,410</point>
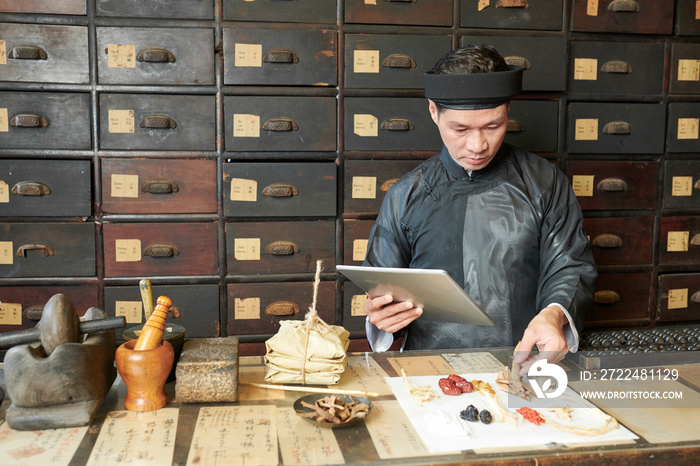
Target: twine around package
<point>307,351</point>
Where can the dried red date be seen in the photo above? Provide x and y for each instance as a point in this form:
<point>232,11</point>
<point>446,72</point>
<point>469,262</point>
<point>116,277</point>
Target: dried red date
<point>461,383</point>
<point>448,387</point>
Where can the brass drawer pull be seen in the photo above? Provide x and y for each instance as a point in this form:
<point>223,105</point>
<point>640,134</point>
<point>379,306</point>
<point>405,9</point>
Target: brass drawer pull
<point>628,6</point>
<point>606,297</point>
<point>282,308</point>
<point>514,126</point>
<point>695,240</point>
<point>33,312</point>
<point>518,61</point>
<point>25,120</point>
<point>512,4</point>
<point>607,241</point>
<point>48,250</point>
<point>159,187</point>
<point>157,122</point>
<point>616,66</point>
<point>31,188</point>
<point>695,298</point>
<point>155,56</point>
<point>280,190</point>
<point>161,250</point>
<point>280,56</point>
<point>280,124</point>
<point>612,185</point>
<point>388,184</point>
<point>398,60</point>
<point>618,127</point>
<point>397,124</point>
<point>281,248</point>
<point>27,52</point>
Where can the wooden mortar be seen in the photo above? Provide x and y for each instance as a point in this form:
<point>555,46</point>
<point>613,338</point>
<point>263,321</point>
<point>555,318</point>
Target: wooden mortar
<point>144,373</point>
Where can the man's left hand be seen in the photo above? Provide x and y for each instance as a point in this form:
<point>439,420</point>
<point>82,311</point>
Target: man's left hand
<point>545,332</point>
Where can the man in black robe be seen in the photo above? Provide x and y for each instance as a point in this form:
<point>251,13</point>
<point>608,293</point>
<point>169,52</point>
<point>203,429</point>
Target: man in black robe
<point>503,222</point>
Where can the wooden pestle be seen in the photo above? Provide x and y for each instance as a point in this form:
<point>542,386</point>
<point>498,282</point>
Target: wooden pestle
<point>152,333</point>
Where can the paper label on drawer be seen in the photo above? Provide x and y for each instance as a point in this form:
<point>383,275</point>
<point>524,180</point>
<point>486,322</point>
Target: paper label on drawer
<point>483,4</point>
<point>677,241</point>
<point>244,190</point>
<point>3,53</point>
<point>246,249</point>
<point>125,186</point>
<point>585,69</point>
<point>370,2</point>
<point>4,192</point>
<point>248,55</point>
<point>10,314</point>
<point>678,299</point>
<point>365,125</point>
<point>365,61</point>
<point>121,56</point>
<point>246,126</point>
<point>121,121</point>
<point>592,8</point>
<point>6,255</point>
<point>4,121</point>
<point>131,310</point>
<point>586,129</point>
<point>357,305</point>
<point>688,128</point>
<point>697,9</point>
<point>682,186</point>
<point>359,249</point>
<point>364,187</point>
<point>583,185</point>
<point>127,250</point>
<point>246,308</point>
<point>689,70</point>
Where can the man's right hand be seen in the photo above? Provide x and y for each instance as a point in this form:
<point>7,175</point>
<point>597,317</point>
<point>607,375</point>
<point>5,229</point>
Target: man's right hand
<point>391,316</point>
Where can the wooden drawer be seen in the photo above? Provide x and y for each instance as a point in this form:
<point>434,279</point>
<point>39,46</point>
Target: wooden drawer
<point>199,9</point>
<point>198,306</point>
<point>367,182</point>
<point>621,68</point>
<point>512,14</point>
<point>417,12</point>
<point>152,186</point>
<point>279,189</point>
<point>681,184</point>
<point>264,248</point>
<point>389,123</point>
<point>44,120</point>
<point>355,239</point>
<point>683,134</point>
<point>679,241</point>
<point>687,18</point>
<point>679,297</point>
<point>44,53</point>
<point>47,249</point>
<point>45,188</point>
<point>621,240</point>
<point>293,57</point>
<point>172,56</point>
<point>157,122</point>
<point>280,123</point>
<point>47,7</point>
<point>623,16</point>
<point>544,58</point>
<point>379,61</point>
<point>253,308</point>
<point>607,185</point>
<point>152,249</point>
<point>685,69</point>
<point>616,128</point>
<point>354,316</point>
<point>533,125</point>
<point>306,11</point>
<point>621,300</point>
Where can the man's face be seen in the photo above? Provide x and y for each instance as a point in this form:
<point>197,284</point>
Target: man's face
<point>472,137</point>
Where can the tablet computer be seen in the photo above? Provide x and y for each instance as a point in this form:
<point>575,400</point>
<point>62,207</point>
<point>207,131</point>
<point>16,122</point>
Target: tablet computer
<point>441,298</point>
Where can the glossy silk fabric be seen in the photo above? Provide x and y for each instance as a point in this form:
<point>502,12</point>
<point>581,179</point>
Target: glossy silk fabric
<point>511,234</point>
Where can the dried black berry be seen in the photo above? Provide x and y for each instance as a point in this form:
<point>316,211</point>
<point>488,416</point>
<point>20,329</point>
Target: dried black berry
<point>470,414</point>
<point>485,416</point>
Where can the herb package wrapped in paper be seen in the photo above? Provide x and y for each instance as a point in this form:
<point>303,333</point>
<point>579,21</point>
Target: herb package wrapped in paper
<point>308,351</point>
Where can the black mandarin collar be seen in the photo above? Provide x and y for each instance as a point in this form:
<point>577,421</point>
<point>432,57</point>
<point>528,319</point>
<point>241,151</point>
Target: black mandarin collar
<point>459,172</point>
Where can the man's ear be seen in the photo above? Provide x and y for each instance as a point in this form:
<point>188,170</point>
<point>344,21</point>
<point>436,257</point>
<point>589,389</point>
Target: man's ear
<point>433,111</point>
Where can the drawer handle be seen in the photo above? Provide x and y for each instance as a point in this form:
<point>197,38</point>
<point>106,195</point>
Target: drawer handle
<point>400,1</point>
<point>280,190</point>
<point>280,56</point>
<point>618,127</point>
<point>607,241</point>
<point>606,297</point>
<point>155,56</point>
<point>25,120</point>
<point>398,60</point>
<point>695,298</point>
<point>27,52</point>
<point>397,124</point>
<point>33,312</point>
<point>282,308</point>
<point>388,184</point>
<point>628,6</point>
<point>281,248</point>
<point>512,4</point>
<point>695,240</point>
<point>616,66</point>
<point>157,122</point>
<point>31,188</point>
<point>48,250</point>
<point>514,126</point>
<point>159,187</point>
<point>161,250</point>
<point>518,61</point>
<point>612,185</point>
<point>280,124</point>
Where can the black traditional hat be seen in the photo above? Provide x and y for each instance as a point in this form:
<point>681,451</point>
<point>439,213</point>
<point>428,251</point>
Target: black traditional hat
<point>473,91</point>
